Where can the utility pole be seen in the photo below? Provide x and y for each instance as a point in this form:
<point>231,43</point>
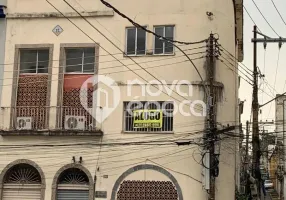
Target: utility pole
<point>212,119</point>
<point>247,145</point>
<point>255,113</point>
<point>255,105</point>
<point>246,160</point>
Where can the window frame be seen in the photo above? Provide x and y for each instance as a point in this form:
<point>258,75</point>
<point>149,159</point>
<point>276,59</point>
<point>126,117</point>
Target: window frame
<point>126,39</point>
<point>37,61</point>
<point>148,129</point>
<point>95,64</point>
<point>164,31</point>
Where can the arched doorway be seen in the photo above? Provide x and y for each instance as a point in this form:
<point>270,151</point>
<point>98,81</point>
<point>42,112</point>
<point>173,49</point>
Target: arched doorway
<point>147,190</point>
<point>22,181</point>
<point>125,188</point>
<point>72,182</point>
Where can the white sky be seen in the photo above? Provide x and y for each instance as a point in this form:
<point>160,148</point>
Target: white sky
<point>271,55</point>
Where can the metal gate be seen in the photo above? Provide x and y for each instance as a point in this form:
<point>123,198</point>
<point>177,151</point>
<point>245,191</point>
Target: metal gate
<point>147,190</point>
<point>72,195</point>
<point>22,182</point>
<point>23,192</point>
<point>72,192</point>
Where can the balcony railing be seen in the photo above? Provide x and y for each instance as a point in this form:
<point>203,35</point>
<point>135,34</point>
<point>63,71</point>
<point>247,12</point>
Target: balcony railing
<point>46,118</point>
<point>76,118</point>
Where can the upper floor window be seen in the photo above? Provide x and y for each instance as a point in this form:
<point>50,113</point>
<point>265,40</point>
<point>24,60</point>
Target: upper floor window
<point>161,46</point>
<point>34,61</point>
<point>80,60</point>
<point>135,41</point>
<point>148,116</point>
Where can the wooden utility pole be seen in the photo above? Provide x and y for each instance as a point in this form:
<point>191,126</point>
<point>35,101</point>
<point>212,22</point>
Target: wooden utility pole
<point>247,144</point>
<point>255,105</point>
<point>255,113</point>
<point>212,119</point>
<point>246,160</point>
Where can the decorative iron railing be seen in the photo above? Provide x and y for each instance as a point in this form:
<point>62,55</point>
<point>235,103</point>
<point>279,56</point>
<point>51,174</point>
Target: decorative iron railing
<point>46,118</point>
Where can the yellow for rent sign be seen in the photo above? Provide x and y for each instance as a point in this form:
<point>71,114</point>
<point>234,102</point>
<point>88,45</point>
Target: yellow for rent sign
<point>147,118</point>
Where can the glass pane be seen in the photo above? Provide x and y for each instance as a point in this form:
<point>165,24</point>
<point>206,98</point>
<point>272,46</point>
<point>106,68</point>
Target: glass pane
<point>131,34</point>
<point>28,61</point>
<point>159,43</point>
<point>89,59</point>
<point>74,60</point>
<point>141,42</point>
<point>169,34</point>
<point>43,61</point>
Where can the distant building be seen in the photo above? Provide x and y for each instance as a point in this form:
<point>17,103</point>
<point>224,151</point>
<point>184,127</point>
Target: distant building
<point>280,116</point>
<point>280,119</point>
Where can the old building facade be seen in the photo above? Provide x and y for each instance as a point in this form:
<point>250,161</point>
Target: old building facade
<point>63,73</point>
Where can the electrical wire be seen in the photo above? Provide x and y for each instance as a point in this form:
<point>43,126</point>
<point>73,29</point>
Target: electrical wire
<point>284,86</point>
<point>265,18</point>
<point>107,73</point>
<point>241,76</point>
<point>277,66</point>
<point>145,29</point>
<point>162,38</point>
<point>234,57</point>
<point>95,56</point>
<point>264,66</point>
<point>278,12</point>
<point>175,171</point>
<point>125,53</point>
<point>235,72</point>
<point>251,18</point>
<point>111,43</point>
<point>249,79</point>
<point>92,70</point>
<point>246,71</point>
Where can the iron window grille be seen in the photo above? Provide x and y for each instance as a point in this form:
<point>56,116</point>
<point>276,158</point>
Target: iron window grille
<point>167,108</point>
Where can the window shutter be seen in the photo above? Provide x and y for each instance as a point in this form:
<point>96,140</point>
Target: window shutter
<point>72,195</point>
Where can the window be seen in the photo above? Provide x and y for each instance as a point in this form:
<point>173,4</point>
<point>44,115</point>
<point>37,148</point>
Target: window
<point>80,60</point>
<point>73,183</point>
<point>34,61</point>
<point>152,116</point>
<point>162,47</point>
<point>135,41</point>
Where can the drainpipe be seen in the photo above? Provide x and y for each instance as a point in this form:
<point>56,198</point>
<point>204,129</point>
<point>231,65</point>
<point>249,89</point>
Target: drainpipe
<point>3,6</point>
<point>94,184</point>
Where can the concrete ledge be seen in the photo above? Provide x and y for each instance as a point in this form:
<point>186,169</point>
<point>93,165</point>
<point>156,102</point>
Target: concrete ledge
<point>98,133</point>
<point>58,15</point>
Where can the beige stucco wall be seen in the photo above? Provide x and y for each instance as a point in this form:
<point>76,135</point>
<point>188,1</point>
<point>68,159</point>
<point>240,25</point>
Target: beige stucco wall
<point>191,24</point>
<point>279,112</point>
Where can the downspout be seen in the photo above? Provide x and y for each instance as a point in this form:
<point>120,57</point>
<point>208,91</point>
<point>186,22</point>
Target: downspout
<point>3,25</point>
<point>94,185</point>
<point>237,117</point>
